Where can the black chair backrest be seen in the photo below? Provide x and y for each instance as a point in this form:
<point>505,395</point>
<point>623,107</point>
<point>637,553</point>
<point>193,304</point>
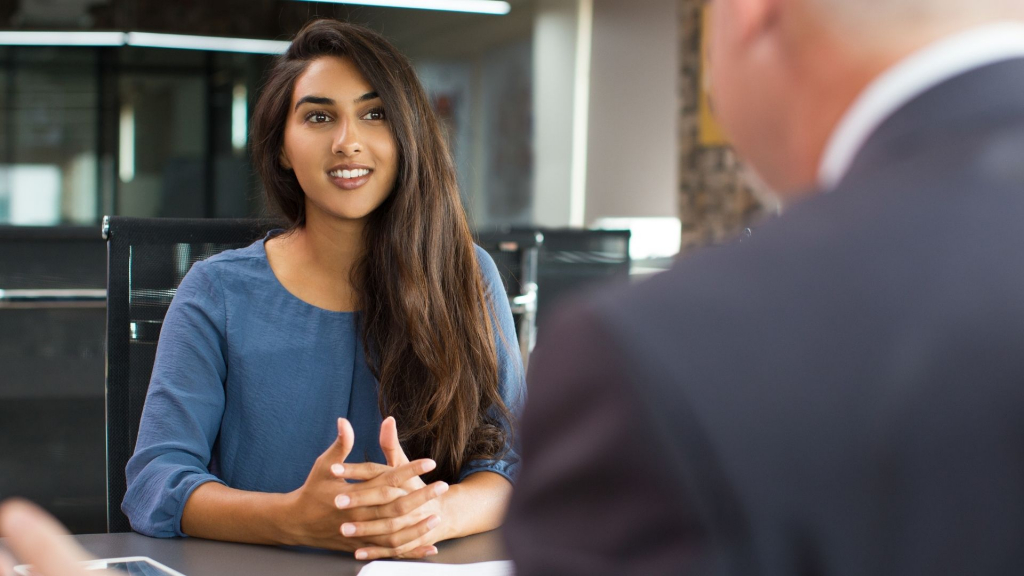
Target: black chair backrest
<point>572,260</point>
<point>52,310</point>
<point>507,249</point>
<point>516,254</point>
<point>50,257</point>
<point>146,260</point>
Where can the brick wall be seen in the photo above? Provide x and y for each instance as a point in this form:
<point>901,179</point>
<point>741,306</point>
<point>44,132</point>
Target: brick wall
<point>715,203</point>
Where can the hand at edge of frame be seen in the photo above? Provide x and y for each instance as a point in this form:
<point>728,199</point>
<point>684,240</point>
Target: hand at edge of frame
<point>39,539</point>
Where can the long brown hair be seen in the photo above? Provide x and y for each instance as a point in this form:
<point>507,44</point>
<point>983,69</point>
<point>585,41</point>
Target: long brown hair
<point>426,323</point>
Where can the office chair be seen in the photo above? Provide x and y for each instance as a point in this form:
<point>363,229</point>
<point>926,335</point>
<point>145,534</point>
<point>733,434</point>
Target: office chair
<point>517,253</point>
<point>146,260</point>
<point>573,260</point>
<point>52,299</point>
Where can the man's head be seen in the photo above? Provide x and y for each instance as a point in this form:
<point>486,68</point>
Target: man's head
<point>783,72</point>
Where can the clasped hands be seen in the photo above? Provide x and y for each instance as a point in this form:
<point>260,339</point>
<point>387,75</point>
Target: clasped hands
<point>373,510</point>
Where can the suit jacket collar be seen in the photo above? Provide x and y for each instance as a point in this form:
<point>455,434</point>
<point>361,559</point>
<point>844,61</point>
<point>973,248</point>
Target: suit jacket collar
<point>912,76</point>
<point>981,99</point>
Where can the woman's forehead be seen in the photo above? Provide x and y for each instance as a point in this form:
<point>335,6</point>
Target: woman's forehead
<point>332,77</point>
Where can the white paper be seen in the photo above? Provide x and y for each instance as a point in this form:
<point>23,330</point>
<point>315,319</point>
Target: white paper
<point>392,568</point>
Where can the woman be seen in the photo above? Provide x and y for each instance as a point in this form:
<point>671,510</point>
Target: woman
<point>375,301</point>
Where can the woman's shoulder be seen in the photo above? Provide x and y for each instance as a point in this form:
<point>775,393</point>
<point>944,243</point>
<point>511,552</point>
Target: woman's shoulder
<point>488,269</point>
<point>482,257</point>
<point>236,256</point>
<point>232,266</point>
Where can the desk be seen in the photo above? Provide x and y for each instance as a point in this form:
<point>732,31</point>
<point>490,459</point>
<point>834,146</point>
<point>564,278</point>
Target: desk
<point>196,557</point>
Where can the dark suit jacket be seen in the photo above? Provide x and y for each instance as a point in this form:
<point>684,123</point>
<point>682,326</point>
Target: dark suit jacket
<point>842,394</point>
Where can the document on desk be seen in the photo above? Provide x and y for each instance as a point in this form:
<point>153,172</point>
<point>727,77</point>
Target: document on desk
<point>392,568</point>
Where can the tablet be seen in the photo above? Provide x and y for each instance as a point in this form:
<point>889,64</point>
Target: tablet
<point>134,565</point>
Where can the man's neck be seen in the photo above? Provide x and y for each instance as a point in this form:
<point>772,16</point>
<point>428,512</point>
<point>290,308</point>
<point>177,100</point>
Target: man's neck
<point>828,81</point>
<point>893,81</point>
<point>817,109</point>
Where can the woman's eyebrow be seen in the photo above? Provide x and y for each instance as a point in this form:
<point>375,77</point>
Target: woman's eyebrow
<point>367,96</point>
<point>314,100</point>
<point>330,102</point>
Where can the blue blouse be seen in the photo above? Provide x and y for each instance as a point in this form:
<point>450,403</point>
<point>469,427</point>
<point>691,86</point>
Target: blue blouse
<point>249,381</point>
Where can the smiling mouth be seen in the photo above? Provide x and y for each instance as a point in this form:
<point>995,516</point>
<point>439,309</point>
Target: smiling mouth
<point>350,174</point>
<point>350,179</point>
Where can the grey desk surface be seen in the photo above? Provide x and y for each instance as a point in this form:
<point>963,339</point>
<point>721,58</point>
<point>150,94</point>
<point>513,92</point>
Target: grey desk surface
<point>196,557</point>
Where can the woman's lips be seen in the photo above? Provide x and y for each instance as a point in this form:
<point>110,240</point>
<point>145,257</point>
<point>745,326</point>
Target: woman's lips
<point>350,183</point>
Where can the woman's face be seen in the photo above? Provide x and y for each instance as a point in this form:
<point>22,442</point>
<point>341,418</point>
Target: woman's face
<point>338,142</point>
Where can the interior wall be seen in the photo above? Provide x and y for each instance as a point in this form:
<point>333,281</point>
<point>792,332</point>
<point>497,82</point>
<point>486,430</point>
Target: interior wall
<point>554,67</point>
<point>634,108</point>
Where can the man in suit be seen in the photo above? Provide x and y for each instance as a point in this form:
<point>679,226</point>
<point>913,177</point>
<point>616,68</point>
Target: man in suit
<point>843,394</point>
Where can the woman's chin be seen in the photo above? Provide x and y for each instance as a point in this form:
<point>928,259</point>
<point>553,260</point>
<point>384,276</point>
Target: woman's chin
<point>342,209</point>
<point>351,213</point>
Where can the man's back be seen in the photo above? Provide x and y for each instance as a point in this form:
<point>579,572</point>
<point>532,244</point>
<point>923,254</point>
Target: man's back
<point>841,394</point>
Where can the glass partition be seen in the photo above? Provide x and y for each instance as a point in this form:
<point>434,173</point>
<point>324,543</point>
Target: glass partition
<point>48,149</point>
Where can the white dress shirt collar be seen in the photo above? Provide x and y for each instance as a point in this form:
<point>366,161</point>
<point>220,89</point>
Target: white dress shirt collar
<point>912,77</point>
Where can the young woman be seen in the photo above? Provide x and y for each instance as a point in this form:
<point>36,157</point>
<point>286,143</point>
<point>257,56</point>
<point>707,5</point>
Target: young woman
<point>374,302</point>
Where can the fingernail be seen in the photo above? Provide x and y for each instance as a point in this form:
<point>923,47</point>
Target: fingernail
<point>432,552</point>
<point>433,522</point>
<point>440,489</point>
<point>429,465</point>
<point>348,529</point>
<point>342,501</point>
<point>360,555</point>
<point>337,469</point>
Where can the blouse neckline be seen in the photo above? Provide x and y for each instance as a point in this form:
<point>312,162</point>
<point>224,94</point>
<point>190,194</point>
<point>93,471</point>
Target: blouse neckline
<point>265,262</point>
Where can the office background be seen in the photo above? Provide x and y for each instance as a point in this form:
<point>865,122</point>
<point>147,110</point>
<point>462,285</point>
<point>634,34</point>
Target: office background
<point>561,113</point>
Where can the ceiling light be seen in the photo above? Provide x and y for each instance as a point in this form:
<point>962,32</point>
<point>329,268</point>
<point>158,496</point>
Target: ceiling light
<point>61,38</point>
<point>144,39</point>
<point>476,6</point>
<point>210,43</point>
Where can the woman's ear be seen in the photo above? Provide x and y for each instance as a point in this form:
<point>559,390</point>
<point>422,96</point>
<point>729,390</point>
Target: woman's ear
<point>283,160</point>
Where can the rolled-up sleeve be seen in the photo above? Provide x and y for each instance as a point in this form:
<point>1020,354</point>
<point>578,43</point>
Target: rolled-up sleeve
<point>511,376</point>
<point>183,409</point>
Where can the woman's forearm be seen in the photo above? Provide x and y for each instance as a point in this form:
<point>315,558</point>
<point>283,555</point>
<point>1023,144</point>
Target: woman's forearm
<point>477,504</point>
<point>216,512</point>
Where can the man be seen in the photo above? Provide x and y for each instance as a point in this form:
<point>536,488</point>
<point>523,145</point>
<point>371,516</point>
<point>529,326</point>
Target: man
<point>843,393</point>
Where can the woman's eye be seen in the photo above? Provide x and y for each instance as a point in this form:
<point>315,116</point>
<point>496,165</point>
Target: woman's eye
<point>375,114</point>
<point>317,117</point>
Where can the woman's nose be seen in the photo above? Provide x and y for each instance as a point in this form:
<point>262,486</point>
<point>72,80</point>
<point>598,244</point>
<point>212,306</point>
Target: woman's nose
<point>346,141</point>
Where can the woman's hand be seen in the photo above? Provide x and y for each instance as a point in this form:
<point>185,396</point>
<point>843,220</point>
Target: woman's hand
<point>319,508</point>
<point>397,530</point>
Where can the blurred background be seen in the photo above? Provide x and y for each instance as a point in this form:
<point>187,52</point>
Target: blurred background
<point>561,115</point>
